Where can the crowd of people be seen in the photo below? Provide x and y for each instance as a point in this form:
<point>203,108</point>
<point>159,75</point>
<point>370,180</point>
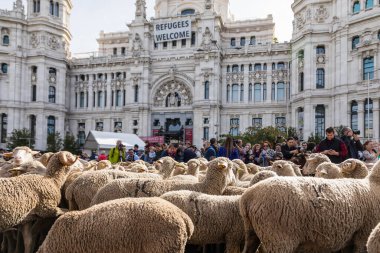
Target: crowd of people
<point>337,148</point>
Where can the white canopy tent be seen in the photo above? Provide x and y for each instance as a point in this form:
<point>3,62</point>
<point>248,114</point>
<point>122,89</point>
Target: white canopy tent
<point>106,140</point>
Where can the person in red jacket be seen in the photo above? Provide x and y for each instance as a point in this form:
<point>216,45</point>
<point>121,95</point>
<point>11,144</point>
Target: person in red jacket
<point>102,156</point>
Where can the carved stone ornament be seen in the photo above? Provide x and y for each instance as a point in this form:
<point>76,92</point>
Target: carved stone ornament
<point>34,40</point>
<point>207,39</point>
<point>18,6</point>
<point>321,14</point>
<point>137,46</point>
<point>208,4</point>
<point>300,20</point>
<point>53,43</point>
<point>168,94</point>
<point>321,59</point>
<point>140,8</point>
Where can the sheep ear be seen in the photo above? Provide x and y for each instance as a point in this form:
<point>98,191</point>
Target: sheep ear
<point>67,158</point>
<point>271,162</point>
<point>35,153</point>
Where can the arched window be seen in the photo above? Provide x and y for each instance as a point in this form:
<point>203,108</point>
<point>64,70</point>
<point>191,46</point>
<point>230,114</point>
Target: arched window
<point>320,78</point>
<point>186,12</point>
<point>320,120</point>
<point>241,92</point>
<point>321,49</point>
<point>32,125</point>
<point>257,67</point>
<point>51,94</point>
<point>242,68</point>
<point>368,68</point>
<point>242,41</point>
<point>235,68</point>
<point>51,9</point>
<point>235,93</point>
<point>250,92</point>
<point>356,7</point>
<point>368,4</point>
<point>207,90</point>
<point>51,125</point>
<point>264,91</point>
<point>233,42</point>
<point>273,66</point>
<point>378,35</point>
<point>354,116</point>
<point>56,12</point>
<point>81,99</point>
<point>250,67</point>
<point>273,96</point>
<point>4,68</point>
<point>234,126</point>
<point>136,93</point>
<point>368,118</point>
<point>280,91</point>
<point>228,93</point>
<point>36,6</point>
<point>355,42</point>
<point>281,65</point>
<point>301,82</point>
<point>265,66</point>
<point>100,99</point>
<point>4,128</point>
<point>228,68</point>
<point>252,41</point>
<point>6,40</point>
<point>257,92</point>
<point>301,54</point>
<point>118,97</point>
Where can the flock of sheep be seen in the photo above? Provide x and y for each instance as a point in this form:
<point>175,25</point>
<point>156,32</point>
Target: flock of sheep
<point>58,203</point>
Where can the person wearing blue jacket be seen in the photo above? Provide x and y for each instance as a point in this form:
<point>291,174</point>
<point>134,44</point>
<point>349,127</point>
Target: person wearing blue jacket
<point>229,149</point>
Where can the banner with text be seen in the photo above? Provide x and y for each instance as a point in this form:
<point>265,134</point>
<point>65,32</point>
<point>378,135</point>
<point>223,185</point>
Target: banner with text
<point>172,30</point>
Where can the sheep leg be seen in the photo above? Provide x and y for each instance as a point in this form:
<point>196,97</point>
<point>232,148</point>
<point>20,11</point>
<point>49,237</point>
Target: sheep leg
<point>232,245</point>
<point>26,230</point>
<point>19,242</point>
<point>252,241</point>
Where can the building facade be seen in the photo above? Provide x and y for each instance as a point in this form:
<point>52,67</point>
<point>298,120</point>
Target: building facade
<point>224,77</point>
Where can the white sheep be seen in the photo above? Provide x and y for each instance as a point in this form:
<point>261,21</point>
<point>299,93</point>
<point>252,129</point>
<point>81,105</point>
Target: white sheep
<point>373,244</point>
<point>297,214</point>
<point>350,168</point>
<point>216,219</point>
<point>312,162</point>
<point>123,225</point>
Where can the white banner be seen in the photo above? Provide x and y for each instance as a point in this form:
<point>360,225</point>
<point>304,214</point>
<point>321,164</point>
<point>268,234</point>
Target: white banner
<point>172,30</point>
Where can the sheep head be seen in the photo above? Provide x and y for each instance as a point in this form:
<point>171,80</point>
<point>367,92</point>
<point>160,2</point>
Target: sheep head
<point>204,163</point>
<point>179,169</point>
<point>353,168</point>
<point>34,167</point>
<point>283,168</point>
<point>328,170</point>
<point>104,164</point>
<point>223,165</point>
<point>166,166</point>
<point>312,162</point>
<point>252,168</point>
<point>44,159</point>
<point>262,175</point>
<point>22,155</point>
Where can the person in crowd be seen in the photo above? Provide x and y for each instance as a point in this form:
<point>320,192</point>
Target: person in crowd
<point>256,151</point>
<point>210,152</point>
<point>94,155</point>
<point>278,154</point>
<point>267,155</point>
<point>214,144</point>
<point>331,146</point>
<point>189,153</point>
<point>151,155</point>
<point>136,149</point>
<point>347,138</point>
<point>131,157</point>
<point>197,152</point>
<point>241,149</point>
<point>172,151</point>
<point>289,149</point>
<point>158,150</point>
<point>117,153</point>
<point>229,149</point>
<point>370,154</point>
<point>249,154</point>
<point>102,156</point>
<point>303,148</point>
<point>358,143</point>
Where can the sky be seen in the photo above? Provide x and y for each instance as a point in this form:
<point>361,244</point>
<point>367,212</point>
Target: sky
<point>89,17</point>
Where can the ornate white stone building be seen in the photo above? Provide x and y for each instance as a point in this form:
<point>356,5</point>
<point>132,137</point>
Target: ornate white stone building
<point>224,77</point>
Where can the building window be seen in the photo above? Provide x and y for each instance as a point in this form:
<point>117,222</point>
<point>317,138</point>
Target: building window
<point>36,6</point>
<point>234,126</point>
<point>241,92</point>
<point>34,93</point>
<point>174,44</point>
<point>301,82</point>
<point>356,7</point>
<point>187,12</point>
<point>235,93</point>
<point>354,116</point>
<point>100,99</point>
<point>321,49</point>
<point>257,67</point>
<point>368,4</point>
<point>378,35</point>
<point>105,98</point>
<point>118,98</point>
<point>6,40</point>
<point>118,127</point>
<point>265,66</point>
<point>193,38</point>
<point>233,42</point>
<point>32,125</point>
<point>250,92</point>
<point>124,97</point>
<point>264,91</point>
<point>93,99</point>
<point>4,127</point>
<point>257,122</point>
<point>51,9</point>
<point>165,45</point>
<point>250,67</point>
<point>114,51</point>
<point>99,126</point>
<point>252,41</point>
<point>301,55</point>
<point>81,134</point>
<point>273,66</point>
<point>320,78</point>
<point>87,98</point>
<point>228,93</point>
<point>320,120</point>
<point>123,51</point>
<point>355,42</point>
<point>56,9</point>
<point>135,131</point>
<point>51,94</point>
<point>207,90</point>
<point>242,41</point>
<point>281,124</point>
<point>281,65</point>
<point>51,125</point>
<point>136,93</point>
<point>368,118</point>
<point>273,92</point>
<point>228,68</point>
<point>4,68</point>
<point>368,68</point>
<point>281,91</point>
<point>257,92</point>
<point>183,42</point>
<point>206,131</point>
<point>242,68</point>
<point>235,68</point>
<point>81,99</point>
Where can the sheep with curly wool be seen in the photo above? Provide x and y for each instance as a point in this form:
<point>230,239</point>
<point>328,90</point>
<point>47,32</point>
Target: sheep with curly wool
<point>262,175</point>
<point>242,173</point>
<point>124,225</point>
<point>192,171</point>
<point>81,191</point>
<point>211,225</point>
<point>312,162</point>
<point>233,191</point>
<point>373,244</point>
<point>30,167</point>
<point>285,168</point>
<point>351,168</point>
<point>20,156</point>
<point>219,175</point>
<point>303,214</point>
<point>165,166</point>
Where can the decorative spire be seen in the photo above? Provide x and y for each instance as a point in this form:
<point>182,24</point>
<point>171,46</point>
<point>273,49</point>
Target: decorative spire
<point>140,10</point>
<point>18,6</point>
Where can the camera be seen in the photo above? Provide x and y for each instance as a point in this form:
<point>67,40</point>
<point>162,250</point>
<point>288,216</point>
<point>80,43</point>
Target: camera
<point>356,132</point>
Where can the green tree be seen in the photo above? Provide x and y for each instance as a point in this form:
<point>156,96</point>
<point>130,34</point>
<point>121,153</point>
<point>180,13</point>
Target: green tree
<point>339,130</point>
<point>54,142</point>
<point>70,144</point>
<point>315,138</point>
<point>21,137</point>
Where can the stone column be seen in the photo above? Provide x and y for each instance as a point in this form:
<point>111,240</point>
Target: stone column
<point>361,116</point>
<point>269,83</point>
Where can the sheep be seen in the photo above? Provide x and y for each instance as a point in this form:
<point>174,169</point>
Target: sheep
<point>262,175</point>
<point>211,225</point>
<point>296,214</point>
<point>373,244</point>
<point>219,175</point>
<point>312,162</point>
<point>234,190</point>
<point>30,167</point>
<point>252,168</point>
<point>285,168</point>
<point>124,225</point>
<point>350,168</point>
<point>192,173</point>
<point>328,170</point>
<point>81,191</point>
<point>242,171</point>
<point>44,159</point>
<point>166,166</point>
<point>20,155</point>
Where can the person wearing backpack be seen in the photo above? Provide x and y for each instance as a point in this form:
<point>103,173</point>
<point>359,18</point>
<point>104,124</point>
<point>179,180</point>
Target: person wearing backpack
<point>117,153</point>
